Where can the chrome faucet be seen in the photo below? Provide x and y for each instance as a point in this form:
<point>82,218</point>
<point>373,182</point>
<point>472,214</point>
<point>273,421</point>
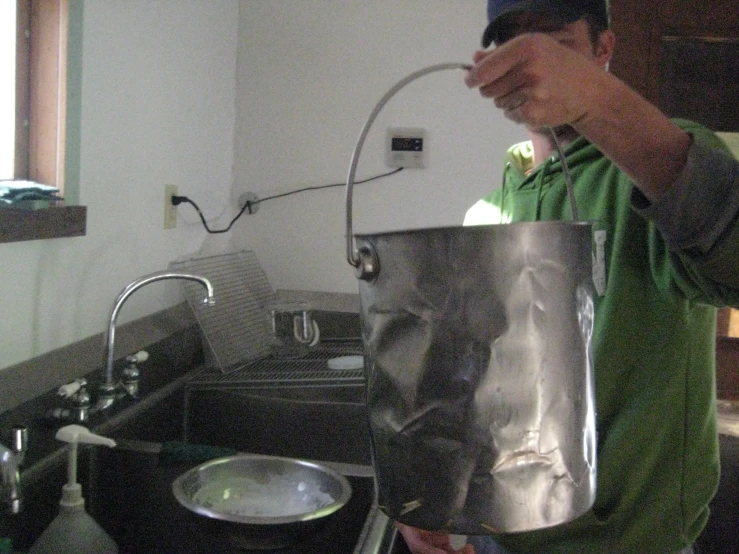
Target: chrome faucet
<point>10,462</point>
<point>108,387</point>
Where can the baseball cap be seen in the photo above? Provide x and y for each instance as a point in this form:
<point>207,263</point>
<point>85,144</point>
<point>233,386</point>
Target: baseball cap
<point>565,11</point>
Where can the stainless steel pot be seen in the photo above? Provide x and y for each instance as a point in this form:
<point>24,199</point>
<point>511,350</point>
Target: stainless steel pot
<point>479,373</point>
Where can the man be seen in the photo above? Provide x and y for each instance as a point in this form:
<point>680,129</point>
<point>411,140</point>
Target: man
<point>665,197</point>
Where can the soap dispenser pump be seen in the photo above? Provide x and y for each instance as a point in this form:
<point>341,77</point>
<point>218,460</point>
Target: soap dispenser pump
<point>74,530</point>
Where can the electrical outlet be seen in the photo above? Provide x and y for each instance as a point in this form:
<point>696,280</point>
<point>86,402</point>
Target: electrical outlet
<point>245,197</point>
<point>170,211</point>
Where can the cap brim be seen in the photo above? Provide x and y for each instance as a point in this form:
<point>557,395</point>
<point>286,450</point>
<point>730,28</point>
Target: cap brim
<point>562,14</point>
<point>488,36</point>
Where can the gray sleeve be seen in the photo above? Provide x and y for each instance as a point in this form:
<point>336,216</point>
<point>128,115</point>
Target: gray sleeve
<point>702,205</point>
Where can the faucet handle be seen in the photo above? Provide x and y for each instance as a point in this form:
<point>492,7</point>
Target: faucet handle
<point>19,438</point>
<point>68,390</point>
<point>131,374</point>
<point>139,357</point>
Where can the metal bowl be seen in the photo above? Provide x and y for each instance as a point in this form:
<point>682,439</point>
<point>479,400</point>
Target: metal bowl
<point>262,501</point>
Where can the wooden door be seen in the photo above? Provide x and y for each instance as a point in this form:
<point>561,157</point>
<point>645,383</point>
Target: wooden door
<point>683,56</point>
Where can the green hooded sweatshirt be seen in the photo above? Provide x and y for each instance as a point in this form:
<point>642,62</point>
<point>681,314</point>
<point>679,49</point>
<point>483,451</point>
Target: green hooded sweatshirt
<point>653,353</point>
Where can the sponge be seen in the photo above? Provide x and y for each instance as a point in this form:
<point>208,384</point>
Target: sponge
<point>176,452</point>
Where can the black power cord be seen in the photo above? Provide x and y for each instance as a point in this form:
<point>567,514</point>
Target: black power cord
<point>177,200</point>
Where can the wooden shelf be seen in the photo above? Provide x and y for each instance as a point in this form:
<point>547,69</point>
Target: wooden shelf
<point>48,223</point>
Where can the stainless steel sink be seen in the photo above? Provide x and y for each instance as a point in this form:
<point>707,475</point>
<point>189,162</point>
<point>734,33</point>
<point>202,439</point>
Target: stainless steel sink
<point>129,487</point>
<point>140,512</point>
<point>327,424</point>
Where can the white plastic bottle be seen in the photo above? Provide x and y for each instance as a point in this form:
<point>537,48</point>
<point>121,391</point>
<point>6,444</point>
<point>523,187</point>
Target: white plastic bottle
<point>74,530</point>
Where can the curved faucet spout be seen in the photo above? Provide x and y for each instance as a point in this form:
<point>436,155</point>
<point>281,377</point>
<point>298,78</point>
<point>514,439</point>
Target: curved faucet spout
<point>11,492</point>
<point>10,461</point>
<point>107,389</point>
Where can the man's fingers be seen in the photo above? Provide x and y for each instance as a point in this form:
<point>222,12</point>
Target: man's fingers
<point>420,541</point>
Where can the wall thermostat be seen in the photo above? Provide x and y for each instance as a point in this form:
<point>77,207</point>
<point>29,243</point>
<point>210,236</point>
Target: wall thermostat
<point>406,148</point>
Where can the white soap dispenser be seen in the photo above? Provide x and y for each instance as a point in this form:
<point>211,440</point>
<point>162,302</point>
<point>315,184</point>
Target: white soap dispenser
<point>74,530</point>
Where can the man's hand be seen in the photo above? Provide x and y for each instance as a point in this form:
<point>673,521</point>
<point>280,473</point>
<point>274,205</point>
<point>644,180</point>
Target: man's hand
<point>537,81</point>
<point>543,82</point>
<point>430,542</point>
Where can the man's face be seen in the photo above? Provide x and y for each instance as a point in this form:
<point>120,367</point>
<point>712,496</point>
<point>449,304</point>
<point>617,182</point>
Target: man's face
<point>572,35</point>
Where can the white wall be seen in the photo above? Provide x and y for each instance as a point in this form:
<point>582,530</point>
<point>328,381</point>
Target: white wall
<point>309,73</point>
<point>158,88</point>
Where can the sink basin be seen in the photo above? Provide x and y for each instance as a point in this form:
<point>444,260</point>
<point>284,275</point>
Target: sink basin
<point>329,424</point>
<point>140,511</point>
<point>129,488</point>
<point>326,423</point>
<point>320,423</point>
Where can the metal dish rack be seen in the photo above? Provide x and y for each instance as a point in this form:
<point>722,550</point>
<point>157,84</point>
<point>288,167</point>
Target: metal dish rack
<point>309,371</point>
<point>237,336</point>
<point>235,329</point>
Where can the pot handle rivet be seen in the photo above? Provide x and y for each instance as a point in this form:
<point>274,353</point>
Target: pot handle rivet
<point>369,264</point>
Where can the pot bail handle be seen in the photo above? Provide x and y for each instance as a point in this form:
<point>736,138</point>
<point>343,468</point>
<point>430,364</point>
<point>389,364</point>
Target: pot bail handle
<point>352,254</point>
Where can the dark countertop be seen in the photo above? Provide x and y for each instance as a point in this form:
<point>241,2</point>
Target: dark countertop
<point>169,361</point>
<point>44,467</point>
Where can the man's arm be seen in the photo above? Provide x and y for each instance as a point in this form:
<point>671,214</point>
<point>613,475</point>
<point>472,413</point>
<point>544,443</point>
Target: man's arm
<point>637,136</point>
<point>541,83</point>
<point>691,191</point>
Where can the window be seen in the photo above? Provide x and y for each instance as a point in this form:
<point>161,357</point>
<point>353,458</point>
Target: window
<point>7,92</point>
<point>35,52</point>
<point>37,102</point>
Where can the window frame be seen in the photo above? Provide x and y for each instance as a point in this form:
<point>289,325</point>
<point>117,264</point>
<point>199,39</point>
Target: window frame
<point>22,87</point>
<point>41,79</point>
<point>48,38</point>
